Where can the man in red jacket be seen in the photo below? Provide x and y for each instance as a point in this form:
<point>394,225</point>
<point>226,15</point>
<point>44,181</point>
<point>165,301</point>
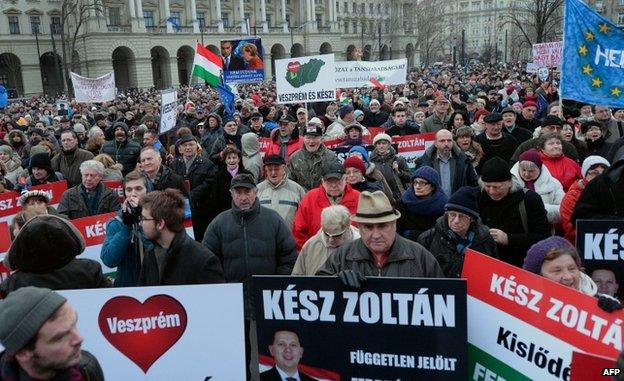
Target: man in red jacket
<point>333,190</point>
<point>285,139</point>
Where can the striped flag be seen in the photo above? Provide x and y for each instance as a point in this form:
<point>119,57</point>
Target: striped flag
<point>207,65</point>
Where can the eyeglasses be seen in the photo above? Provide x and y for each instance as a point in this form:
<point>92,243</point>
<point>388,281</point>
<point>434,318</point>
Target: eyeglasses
<point>421,183</point>
<point>142,218</point>
<point>337,235</point>
<point>459,216</point>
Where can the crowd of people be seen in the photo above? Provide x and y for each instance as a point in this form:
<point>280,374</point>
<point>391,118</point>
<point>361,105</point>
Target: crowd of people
<point>511,170</point>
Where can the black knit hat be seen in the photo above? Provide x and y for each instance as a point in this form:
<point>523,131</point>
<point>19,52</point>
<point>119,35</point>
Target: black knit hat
<point>40,160</point>
<point>587,125</point>
<point>464,200</point>
<point>495,170</point>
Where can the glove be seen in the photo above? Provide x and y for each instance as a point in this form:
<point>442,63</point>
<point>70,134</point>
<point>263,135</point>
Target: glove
<point>608,303</point>
<point>130,216</point>
<point>351,278</point>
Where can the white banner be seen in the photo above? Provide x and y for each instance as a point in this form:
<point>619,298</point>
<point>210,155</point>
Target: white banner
<point>177,329</point>
<point>532,67</point>
<point>168,110</point>
<point>371,74</point>
<point>548,54</point>
<point>305,79</point>
<point>92,90</point>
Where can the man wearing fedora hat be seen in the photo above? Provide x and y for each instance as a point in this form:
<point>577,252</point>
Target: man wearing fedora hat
<point>380,251</point>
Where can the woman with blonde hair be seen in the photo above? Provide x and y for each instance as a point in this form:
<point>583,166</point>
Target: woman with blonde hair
<point>112,170</point>
<point>250,55</point>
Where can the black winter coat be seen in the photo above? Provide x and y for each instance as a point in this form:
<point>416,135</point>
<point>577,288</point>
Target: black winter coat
<point>78,273</point>
<point>504,214</point>
<point>462,171</point>
<point>187,262</point>
<point>220,196</point>
<point>166,178</point>
<point>252,242</point>
<point>603,197</point>
<point>439,242</point>
<point>126,153</point>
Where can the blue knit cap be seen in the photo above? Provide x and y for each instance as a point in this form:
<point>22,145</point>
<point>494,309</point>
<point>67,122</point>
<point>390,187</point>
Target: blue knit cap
<point>427,173</point>
<point>362,151</point>
<point>464,200</point>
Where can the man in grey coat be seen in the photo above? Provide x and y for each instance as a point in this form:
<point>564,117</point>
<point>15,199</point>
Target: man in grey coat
<point>380,251</point>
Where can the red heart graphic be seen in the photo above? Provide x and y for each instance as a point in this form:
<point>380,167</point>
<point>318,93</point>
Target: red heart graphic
<point>293,67</point>
<point>142,331</point>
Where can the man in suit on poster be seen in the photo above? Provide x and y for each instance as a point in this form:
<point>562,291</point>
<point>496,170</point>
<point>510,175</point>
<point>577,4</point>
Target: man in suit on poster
<point>287,351</point>
<point>230,61</point>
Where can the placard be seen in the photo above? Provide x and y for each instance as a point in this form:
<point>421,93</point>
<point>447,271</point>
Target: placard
<point>390,329</point>
<point>356,74</point>
<point>411,147</point>
<point>168,110</point>
<point>246,60</point>
<point>305,79</point>
<point>522,326</point>
<point>548,54</point>
<point>94,90</point>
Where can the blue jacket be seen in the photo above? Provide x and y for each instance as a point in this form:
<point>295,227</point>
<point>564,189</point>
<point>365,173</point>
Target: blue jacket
<point>121,251</point>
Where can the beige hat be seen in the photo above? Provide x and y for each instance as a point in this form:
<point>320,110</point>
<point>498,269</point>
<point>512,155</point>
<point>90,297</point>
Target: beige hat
<point>316,120</point>
<point>375,208</point>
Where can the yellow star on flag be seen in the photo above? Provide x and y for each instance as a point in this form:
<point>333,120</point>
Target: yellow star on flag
<point>587,69</point>
<point>589,36</point>
<point>604,28</point>
<point>615,92</point>
<point>582,50</point>
<point>596,82</point>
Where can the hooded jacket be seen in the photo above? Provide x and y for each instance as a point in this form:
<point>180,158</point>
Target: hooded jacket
<point>562,168</point>
<point>20,148</point>
<point>549,189</point>
<point>126,153</point>
<point>252,160</point>
<point>603,197</point>
<point>384,164</point>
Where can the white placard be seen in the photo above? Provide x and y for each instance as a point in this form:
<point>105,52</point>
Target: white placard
<point>351,74</point>
<point>168,110</point>
<point>305,79</point>
<point>92,90</point>
<point>531,67</point>
<point>548,54</point>
<point>192,339</point>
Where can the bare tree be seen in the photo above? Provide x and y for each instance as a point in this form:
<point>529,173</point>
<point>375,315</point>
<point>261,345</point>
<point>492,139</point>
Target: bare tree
<point>74,16</point>
<point>431,30</point>
<point>536,20</point>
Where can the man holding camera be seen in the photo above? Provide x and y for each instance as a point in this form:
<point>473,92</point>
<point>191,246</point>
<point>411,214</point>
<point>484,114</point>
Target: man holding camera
<point>125,243</point>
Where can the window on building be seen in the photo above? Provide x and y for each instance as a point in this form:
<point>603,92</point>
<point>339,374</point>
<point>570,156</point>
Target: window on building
<point>345,7</point>
<point>201,19</point>
<point>176,16</point>
<point>354,6</point>
<point>225,19</point>
<point>268,19</point>
<point>346,27</point>
<point>288,20</point>
<point>464,6</point>
<point>371,8</point>
<point>148,18</point>
<point>379,8</point>
<point>476,5</point>
<point>621,2</point>
<point>620,18</point>
<point>14,25</point>
<point>114,18</point>
<point>56,25</point>
<point>319,20</point>
<point>354,26</point>
<point>35,24</point>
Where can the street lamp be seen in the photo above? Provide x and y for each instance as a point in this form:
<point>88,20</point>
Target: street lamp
<point>454,50</point>
<point>292,41</point>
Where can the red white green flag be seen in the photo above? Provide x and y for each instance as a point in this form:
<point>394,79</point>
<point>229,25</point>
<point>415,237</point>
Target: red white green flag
<point>207,65</point>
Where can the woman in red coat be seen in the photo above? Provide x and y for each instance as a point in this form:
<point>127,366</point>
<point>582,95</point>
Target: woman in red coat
<point>562,168</point>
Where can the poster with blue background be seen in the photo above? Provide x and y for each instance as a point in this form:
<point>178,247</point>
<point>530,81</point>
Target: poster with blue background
<point>243,60</point>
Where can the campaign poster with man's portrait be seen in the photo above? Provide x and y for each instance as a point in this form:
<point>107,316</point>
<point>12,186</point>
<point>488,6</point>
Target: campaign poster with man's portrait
<point>243,60</point>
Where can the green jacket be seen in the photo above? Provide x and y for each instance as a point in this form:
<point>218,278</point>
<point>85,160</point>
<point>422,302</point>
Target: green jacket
<point>306,168</point>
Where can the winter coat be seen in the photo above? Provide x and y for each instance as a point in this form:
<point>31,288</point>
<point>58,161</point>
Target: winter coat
<point>306,168</point>
<point>569,149</point>
<point>73,203</point>
<point>441,241</point>
<point>251,242</point>
<point>562,168</point>
<point>252,159</point>
<point>13,169</point>
<point>294,144</point>
<point>201,176</point>
<point>21,150</point>
<point>566,208</point>
<point>603,197</point>
<point>462,171</point>
<point>505,215</point>
<point>315,252</point>
<point>186,262</point>
<point>597,147</point>
<point>410,128</point>
<point>383,163</point>
<point>503,147</point>
<point>372,119</point>
<point>407,259</point>
<point>87,368</point>
<point>549,189</point>
<point>419,214</point>
<point>125,153</point>
<point>221,142</point>
<point>308,218</point>
<point>220,196</point>
<point>123,248</point>
<point>284,198</point>
<point>434,124</point>
<point>166,178</point>
<point>69,164</point>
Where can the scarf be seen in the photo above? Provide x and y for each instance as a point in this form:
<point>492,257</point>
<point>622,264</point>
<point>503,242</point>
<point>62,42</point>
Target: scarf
<point>232,170</point>
<point>424,206</point>
<point>92,199</point>
<point>461,244</point>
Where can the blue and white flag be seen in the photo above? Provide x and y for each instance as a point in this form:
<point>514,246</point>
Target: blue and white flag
<point>227,98</point>
<point>592,70</point>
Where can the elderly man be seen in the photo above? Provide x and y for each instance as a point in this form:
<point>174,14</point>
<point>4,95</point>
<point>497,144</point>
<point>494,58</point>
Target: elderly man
<point>440,117</point>
<point>346,117</point>
<point>450,162</point>
<point>379,251</point>
<point>40,339</point>
<point>161,176</point>
<point>610,129</point>
<point>374,117</point>
<point>285,139</point>
<point>516,217</point>
<point>122,149</point>
<point>306,165</point>
<point>509,123</point>
<point>91,197</point>
<point>333,190</point>
<point>549,124</point>
<point>277,191</point>
<point>494,141</point>
<point>527,118</point>
<point>69,159</point>
<point>250,239</point>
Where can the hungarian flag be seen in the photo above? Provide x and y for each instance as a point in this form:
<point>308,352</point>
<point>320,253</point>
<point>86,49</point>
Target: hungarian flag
<point>207,65</point>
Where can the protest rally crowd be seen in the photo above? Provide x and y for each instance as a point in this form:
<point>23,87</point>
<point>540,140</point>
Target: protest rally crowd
<point>300,189</point>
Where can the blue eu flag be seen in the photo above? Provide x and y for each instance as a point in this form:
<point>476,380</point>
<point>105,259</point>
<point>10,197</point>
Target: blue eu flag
<point>227,98</point>
<point>592,70</point>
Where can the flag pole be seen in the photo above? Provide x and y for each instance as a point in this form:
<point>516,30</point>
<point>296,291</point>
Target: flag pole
<point>563,41</point>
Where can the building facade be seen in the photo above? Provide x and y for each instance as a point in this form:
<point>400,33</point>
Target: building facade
<point>151,42</point>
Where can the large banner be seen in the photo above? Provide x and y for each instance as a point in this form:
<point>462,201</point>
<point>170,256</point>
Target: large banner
<point>94,90</point>
<point>548,54</point>
<point>8,200</point>
<point>522,326</point>
<point>370,74</point>
<point>243,60</point>
<point>158,333</point>
<point>168,110</point>
<point>391,329</point>
<point>411,147</point>
<point>305,79</point>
